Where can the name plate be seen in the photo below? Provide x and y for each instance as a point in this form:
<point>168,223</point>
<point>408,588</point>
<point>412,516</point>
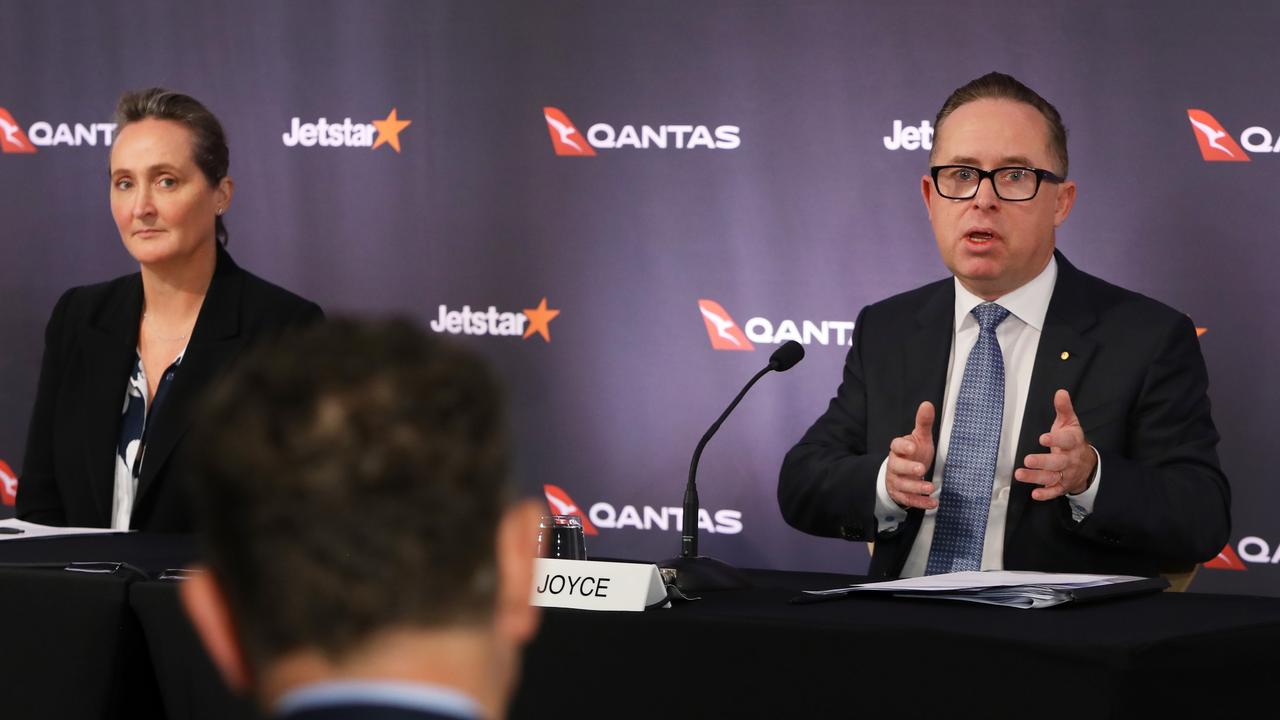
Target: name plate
<point>594,585</point>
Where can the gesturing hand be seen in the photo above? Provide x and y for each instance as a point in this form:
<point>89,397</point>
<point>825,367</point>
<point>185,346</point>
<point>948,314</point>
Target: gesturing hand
<point>909,459</point>
<point>1068,466</point>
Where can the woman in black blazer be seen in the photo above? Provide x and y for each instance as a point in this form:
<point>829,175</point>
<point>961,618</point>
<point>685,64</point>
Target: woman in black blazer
<point>124,361</point>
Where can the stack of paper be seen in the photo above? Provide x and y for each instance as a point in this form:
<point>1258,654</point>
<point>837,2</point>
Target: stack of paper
<point>1009,588</point>
<point>14,529</point>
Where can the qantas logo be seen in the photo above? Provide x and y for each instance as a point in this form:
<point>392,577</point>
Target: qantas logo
<point>1226,560</point>
<point>495,322</point>
<point>605,515</point>
<point>1215,144</point>
<point>565,138</point>
<point>568,141</point>
<point>12,139</point>
<point>1250,550</point>
<point>561,504</point>
<point>8,485</point>
<point>725,334</point>
<point>372,135</point>
<point>43,134</point>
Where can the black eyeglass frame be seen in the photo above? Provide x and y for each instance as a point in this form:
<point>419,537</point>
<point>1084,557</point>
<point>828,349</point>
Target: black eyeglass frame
<point>990,175</point>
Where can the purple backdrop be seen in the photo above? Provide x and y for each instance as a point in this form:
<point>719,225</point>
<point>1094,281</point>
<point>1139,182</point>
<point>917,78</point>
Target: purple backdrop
<point>776,196</point>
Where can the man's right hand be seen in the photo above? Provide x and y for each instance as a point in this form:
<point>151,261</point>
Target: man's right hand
<point>909,459</point>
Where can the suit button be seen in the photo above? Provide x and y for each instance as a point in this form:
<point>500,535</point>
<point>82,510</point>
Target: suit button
<point>851,533</point>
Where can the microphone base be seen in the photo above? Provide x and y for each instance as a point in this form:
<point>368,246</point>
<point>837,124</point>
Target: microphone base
<point>705,574</point>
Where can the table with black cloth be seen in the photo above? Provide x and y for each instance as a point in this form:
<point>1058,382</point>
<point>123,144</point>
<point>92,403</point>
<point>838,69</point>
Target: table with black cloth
<point>116,645</point>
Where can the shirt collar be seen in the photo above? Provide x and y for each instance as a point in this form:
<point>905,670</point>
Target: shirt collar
<point>408,695</point>
<point>1029,303</point>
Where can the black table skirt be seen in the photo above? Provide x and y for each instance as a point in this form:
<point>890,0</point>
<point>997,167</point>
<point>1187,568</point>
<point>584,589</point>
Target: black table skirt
<point>109,646</point>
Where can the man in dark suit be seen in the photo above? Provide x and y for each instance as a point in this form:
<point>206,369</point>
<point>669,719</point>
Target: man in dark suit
<point>366,556</point>
<point>1021,415</point>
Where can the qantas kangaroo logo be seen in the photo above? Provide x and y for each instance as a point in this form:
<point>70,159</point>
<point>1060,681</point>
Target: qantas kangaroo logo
<point>8,485</point>
<point>1227,559</point>
<point>565,138</point>
<point>12,139</point>
<point>723,332</point>
<point>1215,144</point>
<point>561,504</point>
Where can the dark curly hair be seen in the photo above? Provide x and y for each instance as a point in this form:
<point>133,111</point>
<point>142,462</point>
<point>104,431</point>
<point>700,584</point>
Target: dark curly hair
<point>349,479</point>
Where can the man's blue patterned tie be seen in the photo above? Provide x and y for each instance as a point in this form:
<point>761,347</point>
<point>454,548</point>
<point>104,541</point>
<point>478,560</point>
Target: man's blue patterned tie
<point>970,469</point>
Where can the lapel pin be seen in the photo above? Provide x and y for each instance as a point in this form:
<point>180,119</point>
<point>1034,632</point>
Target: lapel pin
<point>1065,355</point>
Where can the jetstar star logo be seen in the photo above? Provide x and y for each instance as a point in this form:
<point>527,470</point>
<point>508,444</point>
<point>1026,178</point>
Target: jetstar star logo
<point>8,485</point>
<point>725,334</point>
<point>561,504</point>
<point>1226,560</point>
<point>568,141</point>
<point>496,322</point>
<point>12,139</point>
<point>372,135</point>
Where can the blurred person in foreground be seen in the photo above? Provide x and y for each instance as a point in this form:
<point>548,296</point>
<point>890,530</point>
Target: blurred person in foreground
<point>125,360</point>
<point>365,553</point>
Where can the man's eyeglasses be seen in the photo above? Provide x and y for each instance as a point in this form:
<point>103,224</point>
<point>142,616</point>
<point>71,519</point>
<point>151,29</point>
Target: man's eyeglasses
<point>1015,184</point>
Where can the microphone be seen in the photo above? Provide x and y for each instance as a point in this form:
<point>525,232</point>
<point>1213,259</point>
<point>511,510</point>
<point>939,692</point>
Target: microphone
<point>695,573</point>
<point>786,357</point>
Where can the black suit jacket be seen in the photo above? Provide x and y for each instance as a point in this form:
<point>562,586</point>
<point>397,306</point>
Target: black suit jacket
<point>91,341</point>
<point>1138,384</point>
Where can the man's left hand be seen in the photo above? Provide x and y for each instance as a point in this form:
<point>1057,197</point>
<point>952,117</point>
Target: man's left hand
<point>1068,466</point>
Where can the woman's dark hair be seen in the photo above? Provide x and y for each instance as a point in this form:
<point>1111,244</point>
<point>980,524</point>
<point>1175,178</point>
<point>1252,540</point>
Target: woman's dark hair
<point>209,143</point>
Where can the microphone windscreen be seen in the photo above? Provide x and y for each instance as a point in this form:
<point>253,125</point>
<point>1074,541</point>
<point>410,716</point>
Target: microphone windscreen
<point>785,357</point>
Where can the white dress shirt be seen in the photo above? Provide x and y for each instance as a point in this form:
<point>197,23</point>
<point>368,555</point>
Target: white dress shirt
<point>1019,336</point>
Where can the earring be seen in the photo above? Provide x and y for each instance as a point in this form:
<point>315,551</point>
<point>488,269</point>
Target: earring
<point>219,211</point>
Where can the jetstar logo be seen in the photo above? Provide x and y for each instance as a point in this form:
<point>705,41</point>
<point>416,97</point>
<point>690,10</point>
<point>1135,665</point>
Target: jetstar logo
<point>497,322</point>
<point>8,485</point>
<point>606,515</point>
<point>909,137</point>
<point>1226,560</point>
<point>566,140</point>
<point>12,139</point>
<point>373,134</point>
<point>44,134</point>
<point>725,334</point>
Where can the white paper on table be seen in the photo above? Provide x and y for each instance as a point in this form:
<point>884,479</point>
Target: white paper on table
<point>1009,588</point>
<point>35,530</point>
<point>976,580</point>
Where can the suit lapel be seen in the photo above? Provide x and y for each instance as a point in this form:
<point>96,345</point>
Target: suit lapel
<point>111,343</point>
<point>215,339</point>
<point>1061,359</point>
<point>924,361</point>
<point>925,357</point>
